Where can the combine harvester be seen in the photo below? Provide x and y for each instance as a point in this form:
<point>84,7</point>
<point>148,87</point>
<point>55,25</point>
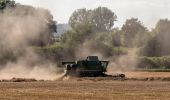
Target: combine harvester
<point>90,67</point>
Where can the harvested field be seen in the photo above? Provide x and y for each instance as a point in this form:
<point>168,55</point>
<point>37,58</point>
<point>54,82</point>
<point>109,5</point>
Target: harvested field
<point>130,76</point>
<point>147,74</point>
<point>85,90</point>
<point>140,86</point>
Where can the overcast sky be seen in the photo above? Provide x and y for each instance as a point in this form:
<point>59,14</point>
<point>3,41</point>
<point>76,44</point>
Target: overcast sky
<point>148,11</point>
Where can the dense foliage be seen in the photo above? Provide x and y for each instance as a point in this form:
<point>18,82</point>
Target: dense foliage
<point>101,19</point>
<point>6,3</point>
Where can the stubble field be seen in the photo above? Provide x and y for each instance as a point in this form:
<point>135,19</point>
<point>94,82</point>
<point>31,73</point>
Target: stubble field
<point>85,89</point>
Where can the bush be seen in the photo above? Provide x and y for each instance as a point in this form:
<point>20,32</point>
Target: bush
<point>154,62</point>
<point>54,52</point>
<point>120,50</point>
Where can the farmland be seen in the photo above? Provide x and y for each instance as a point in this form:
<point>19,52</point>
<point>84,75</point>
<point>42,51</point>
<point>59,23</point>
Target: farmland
<point>85,89</point>
<point>147,74</point>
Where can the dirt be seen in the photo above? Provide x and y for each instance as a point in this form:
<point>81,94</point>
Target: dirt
<point>85,90</point>
<point>137,87</point>
<point>147,74</point>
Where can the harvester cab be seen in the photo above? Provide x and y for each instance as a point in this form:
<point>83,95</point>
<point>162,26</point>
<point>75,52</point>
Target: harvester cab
<point>92,58</point>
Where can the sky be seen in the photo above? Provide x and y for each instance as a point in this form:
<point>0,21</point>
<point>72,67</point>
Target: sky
<point>147,11</point>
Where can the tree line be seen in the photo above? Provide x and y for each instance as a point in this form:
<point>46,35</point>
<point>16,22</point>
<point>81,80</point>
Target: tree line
<point>98,25</point>
<point>95,27</point>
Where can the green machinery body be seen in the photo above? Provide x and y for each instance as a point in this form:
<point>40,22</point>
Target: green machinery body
<point>91,66</point>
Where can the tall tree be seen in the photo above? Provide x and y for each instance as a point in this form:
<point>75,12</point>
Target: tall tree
<point>132,28</point>
<point>159,45</point>
<point>162,30</point>
<point>79,17</point>
<point>101,19</point>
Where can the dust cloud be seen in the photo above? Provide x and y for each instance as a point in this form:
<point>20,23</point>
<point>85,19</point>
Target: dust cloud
<point>88,48</point>
<point>117,64</point>
<point>20,27</point>
<point>123,63</point>
<point>23,25</point>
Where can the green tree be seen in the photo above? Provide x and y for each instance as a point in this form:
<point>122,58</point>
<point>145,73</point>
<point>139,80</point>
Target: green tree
<point>117,39</point>
<point>76,36</point>
<point>162,31</point>
<point>101,19</point>
<point>79,17</point>
<point>151,48</point>
<point>133,28</point>
<point>6,3</point>
<point>158,45</point>
<point>112,39</point>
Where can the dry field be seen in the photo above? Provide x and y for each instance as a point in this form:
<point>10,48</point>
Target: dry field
<point>100,88</point>
<point>85,90</point>
<point>147,74</point>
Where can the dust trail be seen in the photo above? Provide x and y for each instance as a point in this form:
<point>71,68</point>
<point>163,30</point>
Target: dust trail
<point>21,27</point>
<point>87,49</point>
<point>124,63</point>
<point>92,48</point>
